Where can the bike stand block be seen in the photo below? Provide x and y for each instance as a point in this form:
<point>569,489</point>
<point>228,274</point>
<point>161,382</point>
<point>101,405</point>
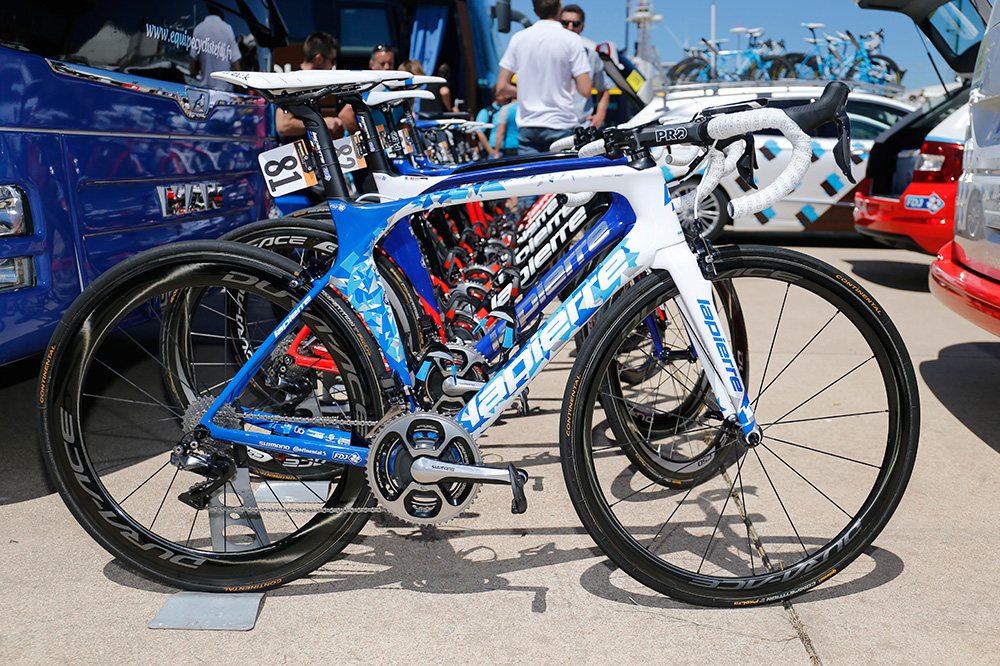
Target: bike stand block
<point>303,492</point>
<point>210,610</point>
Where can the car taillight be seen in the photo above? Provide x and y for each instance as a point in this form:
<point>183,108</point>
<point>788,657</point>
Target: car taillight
<point>939,162</point>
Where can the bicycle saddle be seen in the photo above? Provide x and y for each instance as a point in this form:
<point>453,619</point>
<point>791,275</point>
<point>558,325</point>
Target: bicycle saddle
<point>739,30</point>
<point>338,80</point>
<point>755,32</point>
<point>813,26</point>
<point>379,97</point>
<point>414,82</point>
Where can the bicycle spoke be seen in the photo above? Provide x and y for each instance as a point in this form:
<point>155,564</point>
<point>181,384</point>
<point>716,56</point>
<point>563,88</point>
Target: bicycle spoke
<point>826,453</point>
<point>777,496</point>
<point>799,474</point>
<point>165,495</point>
<point>825,388</point>
<point>125,499</point>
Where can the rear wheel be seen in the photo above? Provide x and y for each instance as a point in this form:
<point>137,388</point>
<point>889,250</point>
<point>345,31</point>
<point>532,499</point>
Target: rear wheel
<point>691,70</point>
<point>882,71</point>
<point>110,427</point>
<point>835,395</point>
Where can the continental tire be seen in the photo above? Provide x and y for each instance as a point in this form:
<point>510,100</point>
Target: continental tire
<point>835,395</point>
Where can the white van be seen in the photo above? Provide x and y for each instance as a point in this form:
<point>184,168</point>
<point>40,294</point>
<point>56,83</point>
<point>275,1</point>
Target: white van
<point>966,275</point>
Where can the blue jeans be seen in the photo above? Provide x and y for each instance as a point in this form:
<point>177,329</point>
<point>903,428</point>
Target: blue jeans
<point>538,139</point>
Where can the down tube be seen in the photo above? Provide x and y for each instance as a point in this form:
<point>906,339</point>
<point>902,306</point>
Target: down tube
<point>618,268</point>
<point>610,229</point>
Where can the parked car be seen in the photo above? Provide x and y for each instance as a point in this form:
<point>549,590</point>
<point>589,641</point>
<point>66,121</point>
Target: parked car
<point>907,198</point>
<point>825,199</point>
<point>966,274</point>
<point>108,146</point>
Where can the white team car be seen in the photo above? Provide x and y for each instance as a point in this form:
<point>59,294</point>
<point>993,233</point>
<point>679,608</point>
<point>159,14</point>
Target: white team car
<point>824,201</point>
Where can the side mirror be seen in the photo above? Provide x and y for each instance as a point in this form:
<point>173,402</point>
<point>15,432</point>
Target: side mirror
<point>501,12</point>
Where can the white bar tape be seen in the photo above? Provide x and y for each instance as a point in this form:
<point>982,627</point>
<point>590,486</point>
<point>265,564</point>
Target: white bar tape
<point>565,143</point>
<point>744,122</point>
<point>683,155</point>
<point>720,165</point>
<point>593,149</point>
<point>575,199</point>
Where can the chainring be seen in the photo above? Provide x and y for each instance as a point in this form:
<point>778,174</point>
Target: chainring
<point>397,443</point>
<point>467,364</point>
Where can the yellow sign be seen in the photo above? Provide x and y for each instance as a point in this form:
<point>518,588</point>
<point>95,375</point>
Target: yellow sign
<point>635,80</point>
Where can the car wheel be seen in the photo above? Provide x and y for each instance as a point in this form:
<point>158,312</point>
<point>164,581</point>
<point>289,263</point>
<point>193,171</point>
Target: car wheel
<point>713,213</point>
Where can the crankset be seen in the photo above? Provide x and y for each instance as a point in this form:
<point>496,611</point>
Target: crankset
<point>425,468</point>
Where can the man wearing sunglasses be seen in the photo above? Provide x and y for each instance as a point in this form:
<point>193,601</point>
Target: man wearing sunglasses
<point>572,18</point>
<point>551,68</point>
<point>319,51</point>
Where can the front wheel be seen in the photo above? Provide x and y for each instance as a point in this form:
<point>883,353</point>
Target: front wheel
<point>835,395</point>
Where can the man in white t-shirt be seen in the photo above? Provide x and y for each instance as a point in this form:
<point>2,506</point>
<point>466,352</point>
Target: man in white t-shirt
<point>572,18</point>
<point>213,49</point>
<point>552,69</point>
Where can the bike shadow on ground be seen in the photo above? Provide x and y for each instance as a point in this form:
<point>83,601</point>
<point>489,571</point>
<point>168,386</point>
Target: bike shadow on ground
<point>432,560</point>
<point>22,476</point>
<point>901,275</point>
<point>964,378</point>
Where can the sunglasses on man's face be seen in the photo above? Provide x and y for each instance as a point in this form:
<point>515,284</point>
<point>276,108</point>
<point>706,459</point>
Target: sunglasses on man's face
<point>572,24</point>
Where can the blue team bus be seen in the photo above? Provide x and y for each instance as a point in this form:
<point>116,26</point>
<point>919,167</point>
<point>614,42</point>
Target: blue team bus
<point>108,146</point>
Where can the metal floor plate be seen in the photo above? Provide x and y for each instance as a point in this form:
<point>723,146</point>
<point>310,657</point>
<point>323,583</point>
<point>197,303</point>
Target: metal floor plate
<point>210,610</point>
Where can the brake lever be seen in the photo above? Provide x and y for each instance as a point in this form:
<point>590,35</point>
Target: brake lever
<point>747,162</point>
<point>842,151</point>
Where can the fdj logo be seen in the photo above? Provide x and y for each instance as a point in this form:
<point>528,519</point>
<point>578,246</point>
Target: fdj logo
<point>931,204</point>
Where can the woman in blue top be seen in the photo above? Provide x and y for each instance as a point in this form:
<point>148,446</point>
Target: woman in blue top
<point>504,137</point>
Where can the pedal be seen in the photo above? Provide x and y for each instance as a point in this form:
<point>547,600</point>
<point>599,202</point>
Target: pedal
<point>518,477</point>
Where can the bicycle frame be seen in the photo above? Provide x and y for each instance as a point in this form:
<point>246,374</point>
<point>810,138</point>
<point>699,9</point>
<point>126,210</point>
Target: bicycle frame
<point>654,241</point>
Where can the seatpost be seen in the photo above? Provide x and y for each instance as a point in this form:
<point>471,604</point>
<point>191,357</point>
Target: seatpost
<point>375,158</point>
<point>391,129</point>
<point>334,184</point>
<point>418,141</point>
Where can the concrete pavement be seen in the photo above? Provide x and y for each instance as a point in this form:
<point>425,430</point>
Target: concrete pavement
<point>495,588</point>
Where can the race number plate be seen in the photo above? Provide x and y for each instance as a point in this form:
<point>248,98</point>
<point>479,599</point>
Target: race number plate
<point>286,169</point>
<point>348,153</point>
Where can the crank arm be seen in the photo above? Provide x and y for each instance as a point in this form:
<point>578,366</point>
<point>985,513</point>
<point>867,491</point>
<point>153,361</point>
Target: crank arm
<point>431,470</point>
<point>459,387</point>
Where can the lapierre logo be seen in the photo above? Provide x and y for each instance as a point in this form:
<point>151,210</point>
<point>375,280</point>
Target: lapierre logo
<point>720,344</point>
<point>548,231</point>
<point>744,412</point>
<point>550,339</point>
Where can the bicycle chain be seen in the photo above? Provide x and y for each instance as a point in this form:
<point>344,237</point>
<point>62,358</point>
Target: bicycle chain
<point>313,420</point>
<point>258,509</point>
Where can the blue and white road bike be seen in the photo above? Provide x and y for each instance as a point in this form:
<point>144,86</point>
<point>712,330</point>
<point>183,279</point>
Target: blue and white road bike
<point>776,480</point>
